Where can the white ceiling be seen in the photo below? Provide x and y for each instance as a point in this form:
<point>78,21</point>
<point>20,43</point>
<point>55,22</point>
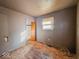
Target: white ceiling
<point>37,7</point>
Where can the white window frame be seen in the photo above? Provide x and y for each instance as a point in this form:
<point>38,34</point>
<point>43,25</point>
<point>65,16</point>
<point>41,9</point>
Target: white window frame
<point>48,23</point>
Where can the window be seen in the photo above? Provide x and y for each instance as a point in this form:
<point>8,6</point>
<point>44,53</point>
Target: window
<point>48,23</point>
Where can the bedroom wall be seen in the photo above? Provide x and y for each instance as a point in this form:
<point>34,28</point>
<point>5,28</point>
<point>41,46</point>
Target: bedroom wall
<point>15,21</point>
<point>64,33</point>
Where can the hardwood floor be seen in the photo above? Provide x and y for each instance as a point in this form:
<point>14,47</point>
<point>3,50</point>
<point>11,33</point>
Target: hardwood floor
<point>36,50</point>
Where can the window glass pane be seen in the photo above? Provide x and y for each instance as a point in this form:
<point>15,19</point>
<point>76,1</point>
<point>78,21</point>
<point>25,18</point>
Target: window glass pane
<point>27,21</point>
<point>46,22</point>
<point>47,27</point>
<point>49,20</point>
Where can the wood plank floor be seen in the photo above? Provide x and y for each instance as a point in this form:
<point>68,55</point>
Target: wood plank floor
<point>36,50</point>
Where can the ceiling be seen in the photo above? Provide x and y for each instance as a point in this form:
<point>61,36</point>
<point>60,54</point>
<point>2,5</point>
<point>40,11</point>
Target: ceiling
<point>37,7</point>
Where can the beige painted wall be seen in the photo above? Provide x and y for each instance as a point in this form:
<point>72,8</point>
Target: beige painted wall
<point>78,30</point>
<point>15,27</point>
